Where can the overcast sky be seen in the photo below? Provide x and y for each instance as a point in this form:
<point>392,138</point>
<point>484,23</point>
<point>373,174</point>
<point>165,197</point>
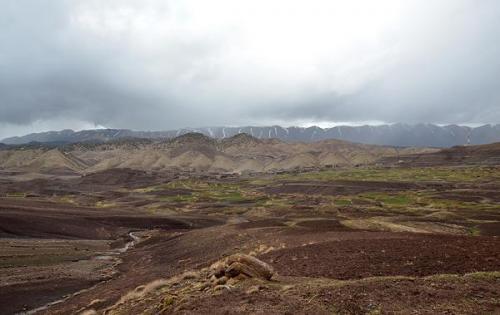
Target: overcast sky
<point>160,65</point>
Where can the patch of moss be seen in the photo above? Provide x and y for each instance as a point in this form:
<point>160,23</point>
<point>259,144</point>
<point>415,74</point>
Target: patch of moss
<point>474,231</point>
<point>67,199</point>
<point>205,191</point>
<point>104,204</point>
<point>342,202</point>
<point>484,275</point>
<point>16,194</point>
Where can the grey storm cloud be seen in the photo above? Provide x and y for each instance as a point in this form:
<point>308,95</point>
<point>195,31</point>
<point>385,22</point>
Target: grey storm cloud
<point>166,64</point>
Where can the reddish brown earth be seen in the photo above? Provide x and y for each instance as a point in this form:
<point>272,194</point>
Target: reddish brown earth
<point>261,224</point>
<point>491,229</point>
<point>323,263</point>
<point>330,254</point>
<point>452,295</point>
<point>338,187</point>
<point>407,255</point>
<point>32,219</point>
<point>455,295</point>
<point>323,225</point>
<point>16,298</point>
<point>41,219</point>
<point>471,195</point>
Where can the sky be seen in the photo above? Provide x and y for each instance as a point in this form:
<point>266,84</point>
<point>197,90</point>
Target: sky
<point>167,64</point>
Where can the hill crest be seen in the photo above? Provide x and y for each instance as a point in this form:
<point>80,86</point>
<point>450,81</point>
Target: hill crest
<point>192,151</point>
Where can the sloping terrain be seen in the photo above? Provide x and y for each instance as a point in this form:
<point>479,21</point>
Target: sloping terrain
<point>43,160</point>
<point>240,153</point>
<point>144,226</point>
<point>486,154</point>
<point>362,240</point>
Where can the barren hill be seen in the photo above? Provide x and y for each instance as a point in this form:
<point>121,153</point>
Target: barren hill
<point>194,151</point>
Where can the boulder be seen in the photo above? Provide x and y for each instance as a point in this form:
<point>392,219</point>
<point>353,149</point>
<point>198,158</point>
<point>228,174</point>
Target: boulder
<point>239,267</point>
<point>249,266</point>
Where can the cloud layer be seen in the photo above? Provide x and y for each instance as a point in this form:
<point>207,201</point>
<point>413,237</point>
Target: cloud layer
<point>155,64</point>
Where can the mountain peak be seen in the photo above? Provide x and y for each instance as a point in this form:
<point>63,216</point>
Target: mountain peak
<point>241,138</point>
<point>192,137</point>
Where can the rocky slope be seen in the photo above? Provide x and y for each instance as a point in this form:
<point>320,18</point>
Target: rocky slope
<point>193,151</point>
<point>427,135</point>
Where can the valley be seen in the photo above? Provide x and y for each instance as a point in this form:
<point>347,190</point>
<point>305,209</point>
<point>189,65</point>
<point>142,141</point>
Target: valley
<point>249,157</point>
<point>389,236</point>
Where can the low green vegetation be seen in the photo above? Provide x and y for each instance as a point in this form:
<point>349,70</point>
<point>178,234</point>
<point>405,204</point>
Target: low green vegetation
<point>452,174</point>
<point>452,201</point>
<point>16,195</point>
<point>105,204</point>
<point>67,199</point>
<point>204,191</point>
<point>474,231</point>
<point>343,202</point>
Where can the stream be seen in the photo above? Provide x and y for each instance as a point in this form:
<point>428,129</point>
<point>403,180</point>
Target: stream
<point>134,239</point>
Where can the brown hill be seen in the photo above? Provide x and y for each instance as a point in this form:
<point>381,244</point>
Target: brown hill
<point>51,161</point>
<point>241,153</point>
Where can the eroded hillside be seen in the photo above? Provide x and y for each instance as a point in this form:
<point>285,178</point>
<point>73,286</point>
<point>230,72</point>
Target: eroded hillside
<point>241,153</point>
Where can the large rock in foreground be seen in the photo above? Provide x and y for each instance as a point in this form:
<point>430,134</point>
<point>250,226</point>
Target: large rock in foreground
<point>242,266</point>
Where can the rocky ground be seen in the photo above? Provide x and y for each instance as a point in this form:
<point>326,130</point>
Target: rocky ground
<point>368,240</point>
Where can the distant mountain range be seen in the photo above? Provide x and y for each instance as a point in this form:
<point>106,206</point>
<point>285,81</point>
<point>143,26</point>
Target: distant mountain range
<point>423,135</point>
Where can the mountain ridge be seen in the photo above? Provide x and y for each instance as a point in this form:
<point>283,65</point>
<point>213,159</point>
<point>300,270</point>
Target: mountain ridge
<point>193,151</point>
<point>423,135</point>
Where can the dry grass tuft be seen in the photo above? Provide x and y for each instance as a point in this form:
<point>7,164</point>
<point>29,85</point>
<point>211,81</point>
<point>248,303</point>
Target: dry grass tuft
<point>141,291</point>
